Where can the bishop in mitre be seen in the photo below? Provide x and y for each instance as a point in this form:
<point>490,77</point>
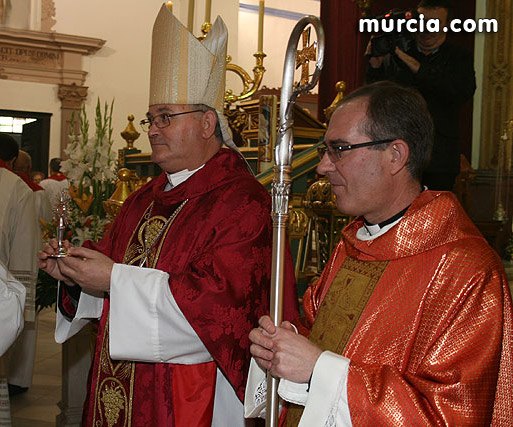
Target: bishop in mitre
<point>184,273</point>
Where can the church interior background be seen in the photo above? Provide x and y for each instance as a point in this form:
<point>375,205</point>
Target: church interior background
<point>59,55</point>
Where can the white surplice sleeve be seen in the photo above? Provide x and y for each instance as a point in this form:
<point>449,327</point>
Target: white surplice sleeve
<point>256,389</point>
<point>325,401</point>
<point>12,305</point>
<point>89,308</point>
<point>145,322</point>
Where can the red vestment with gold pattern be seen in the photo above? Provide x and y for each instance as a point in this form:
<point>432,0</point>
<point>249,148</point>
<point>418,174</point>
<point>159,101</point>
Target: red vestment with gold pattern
<point>218,253</point>
<point>434,342</point>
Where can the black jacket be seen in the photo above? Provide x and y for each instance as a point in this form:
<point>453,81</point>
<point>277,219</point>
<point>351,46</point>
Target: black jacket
<point>446,79</point>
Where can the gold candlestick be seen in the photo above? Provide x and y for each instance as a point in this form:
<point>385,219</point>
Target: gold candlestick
<point>208,10</point>
<point>190,17</point>
<point>261,10</point>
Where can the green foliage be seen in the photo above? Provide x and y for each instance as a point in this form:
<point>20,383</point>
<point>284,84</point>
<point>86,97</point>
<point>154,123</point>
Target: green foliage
<point>46,291</point>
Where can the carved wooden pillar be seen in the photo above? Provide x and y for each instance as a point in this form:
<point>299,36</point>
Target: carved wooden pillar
<point>498,85</point>
<point>72,97</point>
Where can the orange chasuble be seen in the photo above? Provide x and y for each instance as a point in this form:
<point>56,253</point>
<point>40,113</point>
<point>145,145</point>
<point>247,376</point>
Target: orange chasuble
<point>433,344</point>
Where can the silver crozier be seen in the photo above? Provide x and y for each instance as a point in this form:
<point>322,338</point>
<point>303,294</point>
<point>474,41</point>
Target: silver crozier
<point>281,182</point>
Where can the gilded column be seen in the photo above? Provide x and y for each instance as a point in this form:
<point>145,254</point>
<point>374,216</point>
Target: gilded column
<point>497,107</point>
<point>72,97</point>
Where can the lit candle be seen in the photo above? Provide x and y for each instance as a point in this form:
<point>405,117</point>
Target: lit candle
<point>169,5</point>
<point>190,18</point>
<point>208,10</point>
<point>261,8</point>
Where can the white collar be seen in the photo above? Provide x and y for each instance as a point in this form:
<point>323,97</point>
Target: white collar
<point>371,232</point>
<point>176,178</point>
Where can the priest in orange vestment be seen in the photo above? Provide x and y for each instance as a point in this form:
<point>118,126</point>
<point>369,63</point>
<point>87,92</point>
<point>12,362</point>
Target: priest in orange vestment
<point>411,321</point>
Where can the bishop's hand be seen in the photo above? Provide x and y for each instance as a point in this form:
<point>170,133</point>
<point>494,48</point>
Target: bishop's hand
<point>49,264</point>
<point>88,268</point>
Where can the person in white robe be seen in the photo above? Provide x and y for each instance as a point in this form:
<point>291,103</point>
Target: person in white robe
<point>12,304</point>
<point>19,236</point>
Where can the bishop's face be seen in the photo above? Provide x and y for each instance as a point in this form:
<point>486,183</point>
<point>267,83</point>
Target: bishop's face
<point>358,178</point>
<point>181,144</point>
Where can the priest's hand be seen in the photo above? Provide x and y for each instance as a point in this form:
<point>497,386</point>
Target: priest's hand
<point>282,351</point>
<point>88,268</point>
<point>261,343</point>
<point>50,265</point>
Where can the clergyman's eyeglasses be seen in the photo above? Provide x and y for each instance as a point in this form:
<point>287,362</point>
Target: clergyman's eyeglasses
<point>162,120</point>
<point>336,151</point>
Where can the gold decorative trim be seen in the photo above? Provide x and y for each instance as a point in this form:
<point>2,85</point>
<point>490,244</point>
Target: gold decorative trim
<point>250,85</point>
<point>497,107</point>
<point>340,311</point>
<point>110,393</point>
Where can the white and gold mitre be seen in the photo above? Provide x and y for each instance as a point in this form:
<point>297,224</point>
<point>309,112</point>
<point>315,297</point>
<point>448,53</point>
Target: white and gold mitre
<point>185,70</point>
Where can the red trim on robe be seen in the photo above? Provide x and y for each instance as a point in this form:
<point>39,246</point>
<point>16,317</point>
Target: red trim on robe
<point>4,165</point>
<point>34,186</point>
<point>57,176</point>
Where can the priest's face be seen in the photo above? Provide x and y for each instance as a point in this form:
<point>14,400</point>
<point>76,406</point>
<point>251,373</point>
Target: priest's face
<point>180,141</point>
<point>358,177</point>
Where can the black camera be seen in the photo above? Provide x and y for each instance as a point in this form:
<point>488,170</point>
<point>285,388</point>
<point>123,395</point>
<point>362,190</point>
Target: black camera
<point>392,32</point>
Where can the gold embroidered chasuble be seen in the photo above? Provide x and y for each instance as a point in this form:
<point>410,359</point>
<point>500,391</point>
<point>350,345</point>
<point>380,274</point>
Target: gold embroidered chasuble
<point>217,254</point>
<point>115,379</point>
<point>340,310</point>
<point>434,342</point>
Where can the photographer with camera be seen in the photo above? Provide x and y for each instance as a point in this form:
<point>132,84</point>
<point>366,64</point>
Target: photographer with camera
<point>443,74</point>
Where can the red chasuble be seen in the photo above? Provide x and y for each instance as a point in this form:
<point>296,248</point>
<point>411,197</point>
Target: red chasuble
<point>217,251</point>
<point>433,344</point>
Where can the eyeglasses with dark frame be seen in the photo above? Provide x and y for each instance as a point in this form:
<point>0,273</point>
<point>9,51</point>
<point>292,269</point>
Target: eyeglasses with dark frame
<point>162,120</point>
<point>335,153</point>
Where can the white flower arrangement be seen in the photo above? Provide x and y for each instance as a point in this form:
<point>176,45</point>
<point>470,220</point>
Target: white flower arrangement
<point>91,170</point>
